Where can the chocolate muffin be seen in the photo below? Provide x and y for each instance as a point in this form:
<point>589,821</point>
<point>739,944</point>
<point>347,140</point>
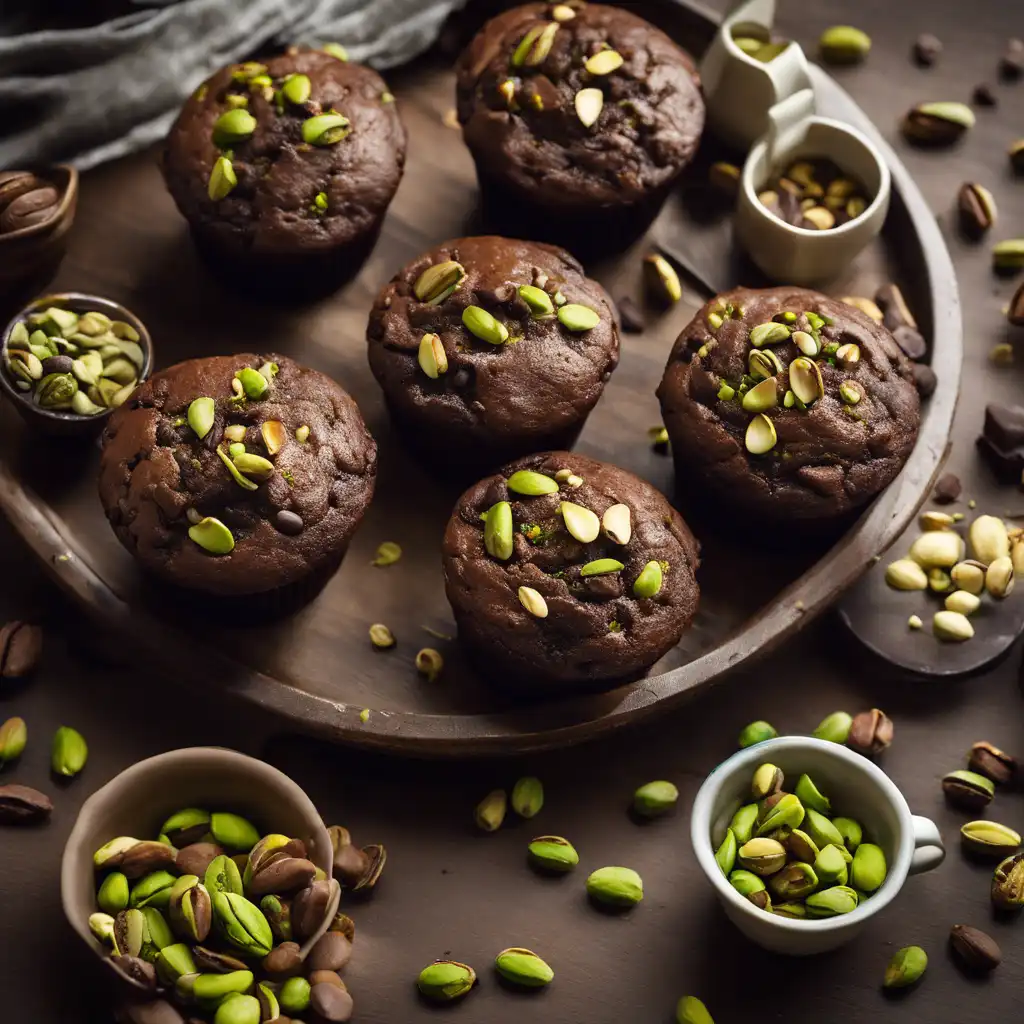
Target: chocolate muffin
<point>565,573</point>
<point>285,169</point>
<point>788,406</point>
<point>238,476</point>
<point>583,114</point>
<point>482,398</point>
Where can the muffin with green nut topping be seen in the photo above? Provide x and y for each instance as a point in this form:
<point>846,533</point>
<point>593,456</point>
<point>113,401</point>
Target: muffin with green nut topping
<point>568,574</point>
<point>284,169</point>
<point>487,348</point>
<point>788,407</point>
<point>579,116</point>
<point>243,477</point>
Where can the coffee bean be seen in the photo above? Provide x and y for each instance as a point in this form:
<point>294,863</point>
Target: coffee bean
<point>20,805</point>
<point>911,341</point>
<point>947,488</point>
<point>983,96</point>
<point>630,316</point>
<point>331,953</point>
<point>283,962</point>
<point>20,647</point>
<point>975,951</point>
<point>927,49</point>
<point>924,379</point>
<point>330,1003</point>
<point>1015,311</point>
<point>309,908</point>
<point>288,523</point>
<point>196,858</point>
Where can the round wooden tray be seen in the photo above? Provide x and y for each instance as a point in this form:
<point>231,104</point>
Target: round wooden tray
<point>317,668</point>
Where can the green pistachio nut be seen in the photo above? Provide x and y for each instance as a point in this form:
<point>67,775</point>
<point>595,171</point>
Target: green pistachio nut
<point>1008,883</point>
<point>830,867</point>
<point>498,531</point>
<point>233,832</point>
<point>1008,254</point>
<point>254,466</point>
<point>296,89</point>
<point>811,796</point>
<point>648,583</point>
<point>153,890</point>
<point>987,838</point>
<point>490,812</point>
<point>800,845</point>
<point>268,849</point>
<point>869,869</point>
<point>438,281</point>
<point>745,883</point>
<point>787,813</point>
<point>725,855</point>
<point>531,484</point>
<point>851,832</point>
<point>527,797</point>
<point>294,996</point>
<point>129,932</point>
<point>325,129</point>
<point>835,728</point>
<point>242,924</point>
<point>577,318</point>
<point>482,325</point>
<point>278,914</point>
<point>553,853</point>
<point>968,789</point>
<point>601,567</point>
<point>796,911</point>
<point>212,536</point>
<point>444,981</point>
<point>821,831</point>
<point>222,179</point>
<point>13,737</point>
<point>112,896</point>
<point>768,779</point>
<point>190,908</point>
<point>616,887</point>
<point>233,126</point>
<point>906,967</point>
<point>769,333</point>
<point>186,827</point>
<point>690,1010</point>
<point>523,967</point>
<point>102,926</point>
<point>111,855</point>
<point>56,390</point>
<point>793,882</point>
<point>743,822</point>
<point>654,799</point>
<point>254,384</point>
<point>756,732</point>
<point>270,1007</point>
<point>173,962</point>
<point>238,1009</point>
<point>844,44</point>
<point>537,299</point>
<point>202,412</point>
<point>840,899</point>
<point>762,855</point>
<point>158,933</point>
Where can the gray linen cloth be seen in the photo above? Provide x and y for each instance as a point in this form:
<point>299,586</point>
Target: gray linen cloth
<point>91,94</point>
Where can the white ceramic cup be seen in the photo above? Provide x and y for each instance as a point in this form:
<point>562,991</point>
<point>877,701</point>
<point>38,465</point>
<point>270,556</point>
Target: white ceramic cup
<point>858,789</point>
<point>801,256</point>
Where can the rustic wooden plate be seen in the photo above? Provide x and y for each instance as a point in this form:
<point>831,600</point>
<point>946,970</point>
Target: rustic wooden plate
<point>317,669</point>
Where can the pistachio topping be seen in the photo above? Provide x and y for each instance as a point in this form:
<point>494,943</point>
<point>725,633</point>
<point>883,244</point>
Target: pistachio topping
<point>236,474</point>
<point>578,318</point>
<point>201,415</point>
<point>212,536</point>
<point>617,524</point>
<point>763,363</point>
<point>806,343</point>
<point>537,299</point>
<point>325,129</point>
<point>233,126</point>
<point>431,356</point>
<point>274,435</point>
<point>222,179</point>
<point>760,436</point>
<point>601,567</point>
<point>762,396</point>
<point>580,522</point>
<point>533,601</point>
<point>604,62</point>
<point>530,483</point>
<point>437,282</point>
<point>296,89</point>
<point>805,380</point>
<point>770,333</point>
<point>498,531</point>
<point>482,325</point>
<point>648,583</point>
<point>588,103</point>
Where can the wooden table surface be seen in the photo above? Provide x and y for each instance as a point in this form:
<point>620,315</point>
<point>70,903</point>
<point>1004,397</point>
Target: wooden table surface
<point>449,891</point>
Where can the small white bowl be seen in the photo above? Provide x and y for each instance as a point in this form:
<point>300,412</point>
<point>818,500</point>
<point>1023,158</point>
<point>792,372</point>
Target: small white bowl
<point>801,256</point>
<point>858,789</point>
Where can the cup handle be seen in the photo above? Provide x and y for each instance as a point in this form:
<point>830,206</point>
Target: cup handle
<point>928,849</point>
<point>788,122</point>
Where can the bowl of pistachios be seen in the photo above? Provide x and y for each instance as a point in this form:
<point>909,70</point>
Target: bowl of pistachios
<point>70,359</point>
<point>804,840</point>
<point>202,878</point>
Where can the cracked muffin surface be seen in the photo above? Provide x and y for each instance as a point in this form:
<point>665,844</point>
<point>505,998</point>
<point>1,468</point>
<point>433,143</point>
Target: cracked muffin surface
<point>788,404</point>
<point>273,207</point>
<point>287,518</point>
<point>607,565</point>
<point>579,105</point>
<point>493,400</point>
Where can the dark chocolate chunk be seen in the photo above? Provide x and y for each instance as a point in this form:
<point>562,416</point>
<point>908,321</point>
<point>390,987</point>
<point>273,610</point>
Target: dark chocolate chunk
<point>947,489</point>
<point>911,341</point>
<point>924,379</point>
<point>926,50</point>
<point>983,96</point>
<point>1004,425</point>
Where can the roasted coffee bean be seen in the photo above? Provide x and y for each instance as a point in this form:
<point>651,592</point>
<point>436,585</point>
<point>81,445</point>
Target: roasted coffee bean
<point>331,952</point>
<point>975,951</point>
<point>927,49</point>
<point>196,858</point>
<point>330,1003</point>
<point>631,318</point>
<point>284,961</point>
<point>20,647</point>
<point>895,311</point>
<point>20,805</point>
<point>924,379</point>
<point>911,341</point>
<point>309,908</point>
<point>993,763</point>
<point>947,488</point>
<point>983,96</point>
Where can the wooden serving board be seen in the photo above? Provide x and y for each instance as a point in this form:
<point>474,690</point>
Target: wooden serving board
<point>317,668</point>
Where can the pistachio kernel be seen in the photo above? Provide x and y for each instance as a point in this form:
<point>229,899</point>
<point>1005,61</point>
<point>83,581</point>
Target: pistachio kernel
<point>296,89</point>
<point>437,282</point>
<point>617,524</point>
<point>498,531</point>
<point>222,179</point>
<point>577,318</point>
<point>325,129</point>
<point>580,522</point>
<point>588,103</point>
<point>387,554</point>
<point>850,392</point>
<point>482,325</point>
<point>233,126</point>
<point>601,567</point>
<point>212,536</point>
<point>530,483</point>
<point>760,435</point>
<point>770,333</point>
<point>533,601</point>
<point>649,582</point>
<point>302,434</point>
<point>604,62</point>
<point>431,356</point>
<point>381,637</point>
<point>429,663</point>
<point>662,279</point>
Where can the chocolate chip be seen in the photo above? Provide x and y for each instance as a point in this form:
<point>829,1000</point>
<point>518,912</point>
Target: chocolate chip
<point>1004,425</point>
<point>983,96</point>
<point>911,341</point>
<point>947,488</point>
<point>630,316</point>
<point>288,523</point>
<point>924,379</point>
<point>927,49</point>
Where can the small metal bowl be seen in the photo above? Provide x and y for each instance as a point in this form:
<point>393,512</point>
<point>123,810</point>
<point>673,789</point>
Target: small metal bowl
<point>61,422</point>
<point>29,257</point>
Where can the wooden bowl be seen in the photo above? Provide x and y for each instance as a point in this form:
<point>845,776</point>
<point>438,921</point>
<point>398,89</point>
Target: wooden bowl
<point>29,257</point>
<point>61,422</point>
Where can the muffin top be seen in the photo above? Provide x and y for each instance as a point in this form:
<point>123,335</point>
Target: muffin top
<point>791,403</point>
<point>584,104</point>
<point>607,566</point>
<point>173,456</point>
<point>544,375</point>
<point>314,145</point>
